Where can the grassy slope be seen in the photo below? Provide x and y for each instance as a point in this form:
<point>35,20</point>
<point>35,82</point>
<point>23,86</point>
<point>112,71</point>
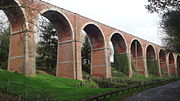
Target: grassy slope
<point>61,89</point>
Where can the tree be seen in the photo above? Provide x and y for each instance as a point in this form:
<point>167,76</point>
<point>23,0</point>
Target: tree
<point>86,51</point>
<point>170,22</point>
<point>86,55</point>
<point>47,47</point>
<point>4,47</point>
<point>163,5</point>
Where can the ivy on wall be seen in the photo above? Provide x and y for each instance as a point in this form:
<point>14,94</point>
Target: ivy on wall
<point>152,66</point>
<point>121,63</point>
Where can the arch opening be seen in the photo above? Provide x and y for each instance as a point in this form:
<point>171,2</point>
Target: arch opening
<point>171,64</point>
<point>95,36</point>
<point>163,65</point>
<point>16,20</point>
<point>120,62</point>
<point>46,46</point>
<point>57,42</point>
<point>97,61</point>
<point>85,55</point>
<point>61,25</point>
<point>152,63</point>
<point>14,13</point>
<point>4,40</point>
<point>178,64</point>
<point>137,58</point>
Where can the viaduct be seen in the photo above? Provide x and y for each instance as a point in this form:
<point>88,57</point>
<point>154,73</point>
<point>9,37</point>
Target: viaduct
<point>23,15</point>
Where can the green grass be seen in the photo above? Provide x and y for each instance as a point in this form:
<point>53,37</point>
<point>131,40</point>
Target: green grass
<point>60,89</point>
<point>116,74</point>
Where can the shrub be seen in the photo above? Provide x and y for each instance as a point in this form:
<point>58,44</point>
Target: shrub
<point>121,63</point>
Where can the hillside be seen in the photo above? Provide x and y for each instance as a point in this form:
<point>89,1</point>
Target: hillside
<point>44,86</point>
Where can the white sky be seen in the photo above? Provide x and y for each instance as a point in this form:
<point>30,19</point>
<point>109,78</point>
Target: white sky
<point>126,15</point>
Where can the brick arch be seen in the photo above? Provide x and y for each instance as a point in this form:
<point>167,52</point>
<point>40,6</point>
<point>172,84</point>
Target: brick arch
<point>171,64</point>
<point>15,14</point>
<point>178,64</point>
<point>65,61</point>
<point>151,60</point>
<point>119,43</point>
<point>16,17</point>
<point>139,47</point>
<point>22,58</point>
<point>162,61</point>
<point>61,23</point>
<point>137,56</point>
<point>150,52</point>
<point>98,58</point>
<point>95,34</point>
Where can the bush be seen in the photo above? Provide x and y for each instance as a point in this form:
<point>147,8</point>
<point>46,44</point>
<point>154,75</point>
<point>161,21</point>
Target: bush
<point>121,63</point>
<point>86,68</point>
<point>117,73</point>
<point>152,66</point>
<point>91,84</point>
<point>105,83</point>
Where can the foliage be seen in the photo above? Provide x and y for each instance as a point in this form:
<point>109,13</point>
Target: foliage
<point>163,5</point>
<point>86,68</point>
<point>152,67</point>
<point>170,25</point>
<point>117,73</point>
<point>121,63</point>
<point>4,47</point>
<point>170,12</point>
<point>91,84</point>
<point>86,51</point>
<point>47,47</point>
<point>60,89</point>
<point>86,55</point>
<point>105,83</point>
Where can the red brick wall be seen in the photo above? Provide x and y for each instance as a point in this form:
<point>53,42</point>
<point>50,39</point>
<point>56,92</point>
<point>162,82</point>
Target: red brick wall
<point>69,53</point>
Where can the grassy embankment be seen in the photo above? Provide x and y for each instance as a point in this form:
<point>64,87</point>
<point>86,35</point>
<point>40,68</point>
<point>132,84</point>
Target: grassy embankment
<point>43,85</point>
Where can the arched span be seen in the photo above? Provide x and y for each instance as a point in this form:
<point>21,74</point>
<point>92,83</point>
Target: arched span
<point>15,15</point>
<point>162,59</point>
<point>136,48</point>
<point>151,60</point>
<point>98,59</point>
<point>150,52</point>
<point>171,64</point>
<point>118,43</point>
<point>65,52</point>
<point>178,64</point>
<point>61,24</point>
<point>121,63</point>
<point>95,35</point>
<point>137,57</point>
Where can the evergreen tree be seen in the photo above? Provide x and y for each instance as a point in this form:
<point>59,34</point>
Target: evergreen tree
<point>47,47</point>
<point>86,55</point>
<point>86,51</point>
<point>4,48</point>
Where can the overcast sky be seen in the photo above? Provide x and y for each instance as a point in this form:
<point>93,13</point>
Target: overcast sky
<point>126,15</point>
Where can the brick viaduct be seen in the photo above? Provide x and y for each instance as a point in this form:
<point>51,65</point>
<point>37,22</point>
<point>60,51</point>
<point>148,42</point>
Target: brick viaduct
<point>23,15</point>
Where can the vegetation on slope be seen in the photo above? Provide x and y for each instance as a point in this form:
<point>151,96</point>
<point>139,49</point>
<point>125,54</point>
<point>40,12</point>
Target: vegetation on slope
<point>58,89</point>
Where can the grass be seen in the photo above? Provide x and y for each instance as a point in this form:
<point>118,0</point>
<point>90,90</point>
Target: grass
<point>116,74</point>
<point>125,94</point>
<point>60,89</point>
